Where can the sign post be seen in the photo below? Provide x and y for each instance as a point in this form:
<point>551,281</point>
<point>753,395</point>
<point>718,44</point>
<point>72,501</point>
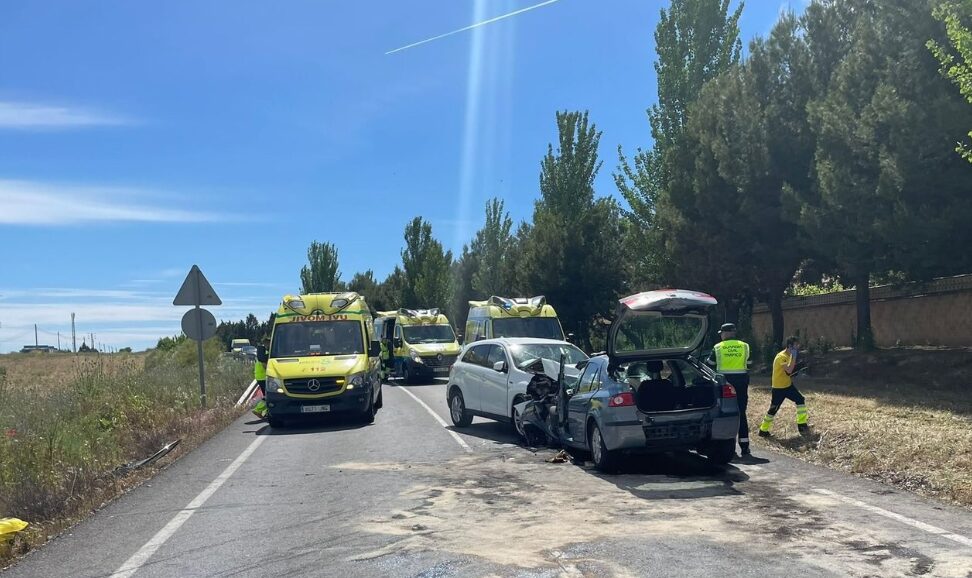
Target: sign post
<point>198,324</point>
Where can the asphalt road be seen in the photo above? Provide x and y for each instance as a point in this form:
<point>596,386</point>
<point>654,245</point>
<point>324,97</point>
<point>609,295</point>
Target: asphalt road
<point>409,497</point>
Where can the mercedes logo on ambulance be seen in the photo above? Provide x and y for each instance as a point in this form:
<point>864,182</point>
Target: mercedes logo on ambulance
<point>313,385</point>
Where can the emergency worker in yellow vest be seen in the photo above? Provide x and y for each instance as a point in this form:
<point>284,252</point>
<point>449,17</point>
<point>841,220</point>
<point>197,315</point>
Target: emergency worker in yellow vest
<point>732,360</point>
<point>260,375</point>
<point>784,367</point>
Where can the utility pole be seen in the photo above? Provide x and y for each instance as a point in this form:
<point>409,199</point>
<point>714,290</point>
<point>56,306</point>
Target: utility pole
<point>74,336</point>
<point>59,341</point>
<point>35,335</point>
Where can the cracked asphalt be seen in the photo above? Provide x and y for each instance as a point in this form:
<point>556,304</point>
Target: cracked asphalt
<point>402,498</point>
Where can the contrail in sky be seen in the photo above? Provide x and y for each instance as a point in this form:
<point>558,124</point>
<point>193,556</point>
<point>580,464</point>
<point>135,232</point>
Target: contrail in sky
<point>476,25</point>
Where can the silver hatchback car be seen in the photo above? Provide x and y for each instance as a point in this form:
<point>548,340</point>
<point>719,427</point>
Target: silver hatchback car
<point>648,393</point>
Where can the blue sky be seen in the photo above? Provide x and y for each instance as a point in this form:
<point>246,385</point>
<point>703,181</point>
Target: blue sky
<point>138,138</point>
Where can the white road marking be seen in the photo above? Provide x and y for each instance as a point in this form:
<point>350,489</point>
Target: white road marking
<point>903,519</point>
<point>439,419</point>
<point>139,558</point>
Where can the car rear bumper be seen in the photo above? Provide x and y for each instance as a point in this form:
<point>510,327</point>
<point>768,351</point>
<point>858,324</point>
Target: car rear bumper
<point>354,401</point>
<point>635,436</point>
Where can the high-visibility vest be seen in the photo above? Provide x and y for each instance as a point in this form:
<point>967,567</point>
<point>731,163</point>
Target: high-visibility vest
<point>731,356</point>
<point>259,370</point>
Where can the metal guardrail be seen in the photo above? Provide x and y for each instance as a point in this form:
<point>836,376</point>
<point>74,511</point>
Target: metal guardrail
<point>879,293</point>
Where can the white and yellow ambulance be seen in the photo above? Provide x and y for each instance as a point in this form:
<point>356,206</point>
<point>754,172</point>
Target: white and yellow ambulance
<point>512,317</point>
<point>324,358</point>
<point>417,343</point>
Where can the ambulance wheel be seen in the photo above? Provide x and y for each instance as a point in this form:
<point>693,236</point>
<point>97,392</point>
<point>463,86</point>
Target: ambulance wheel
<point>369,413</point>
<point>275,422</point>
<point>407,376</point>
<point>380,403</point>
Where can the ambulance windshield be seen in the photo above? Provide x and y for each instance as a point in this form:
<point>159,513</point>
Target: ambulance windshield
<point>310,338</point>
<point>428,333</point>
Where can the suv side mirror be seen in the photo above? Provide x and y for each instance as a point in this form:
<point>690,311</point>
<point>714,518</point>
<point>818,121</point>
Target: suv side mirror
<point>500,366</point>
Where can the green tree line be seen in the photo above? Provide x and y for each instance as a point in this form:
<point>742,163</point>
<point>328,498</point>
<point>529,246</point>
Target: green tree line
<point>830,149</point>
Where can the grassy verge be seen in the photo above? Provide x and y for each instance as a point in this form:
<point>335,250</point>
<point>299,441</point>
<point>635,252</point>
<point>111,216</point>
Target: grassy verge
<point>67,423</point>
<point>915,435</point>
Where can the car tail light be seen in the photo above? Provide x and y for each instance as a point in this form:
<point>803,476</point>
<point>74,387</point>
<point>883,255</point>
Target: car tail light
<point>621,399</point>
<point>728,391</point>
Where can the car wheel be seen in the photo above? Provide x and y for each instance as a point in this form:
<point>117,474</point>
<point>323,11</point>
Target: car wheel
<point>603,459</point>
<point>721,452</point>
<point>518,426</point>
<point>275,422</point>
<point>457,410</point>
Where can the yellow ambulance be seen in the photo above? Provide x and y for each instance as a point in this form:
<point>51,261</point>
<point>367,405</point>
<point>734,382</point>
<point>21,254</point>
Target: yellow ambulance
<point>324,358</point>
<point>512,317</point>
<point>417,343</point>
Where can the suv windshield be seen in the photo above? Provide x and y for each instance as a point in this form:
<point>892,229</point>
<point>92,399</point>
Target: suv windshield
<point>308,338</point>
<point>526,352</point>
<point>428,333</point>
<point>540,327</point>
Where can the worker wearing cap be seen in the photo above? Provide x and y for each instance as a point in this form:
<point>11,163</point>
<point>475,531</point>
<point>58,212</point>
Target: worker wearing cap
<point>784,367</point>
<point>260,376</point>
<point>732,360</point>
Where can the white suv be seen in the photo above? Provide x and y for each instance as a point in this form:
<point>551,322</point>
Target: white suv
<point>488,381</point>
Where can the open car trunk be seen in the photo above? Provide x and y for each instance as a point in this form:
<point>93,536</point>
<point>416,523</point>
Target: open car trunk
<point>662,395</point>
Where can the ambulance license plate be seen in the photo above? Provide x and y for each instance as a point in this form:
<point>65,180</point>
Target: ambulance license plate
<point>442,370</point>
<point>315,408</point>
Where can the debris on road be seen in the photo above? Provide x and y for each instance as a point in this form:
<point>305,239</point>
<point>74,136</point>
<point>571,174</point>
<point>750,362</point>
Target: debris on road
<point>132,466</point>
<point>562,457</point>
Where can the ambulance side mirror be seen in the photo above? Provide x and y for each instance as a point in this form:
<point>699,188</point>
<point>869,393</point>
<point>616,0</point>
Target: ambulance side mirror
<point>397,342</point>
<point>375,349</point>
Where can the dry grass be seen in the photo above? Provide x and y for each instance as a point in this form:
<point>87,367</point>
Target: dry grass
<point>67,423</point>
<point>53,370</point>
<point>917,435</point>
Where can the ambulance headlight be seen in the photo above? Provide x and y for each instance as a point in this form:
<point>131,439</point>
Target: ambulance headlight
<point>355,381</point>
<point>275,385</point>
<point>414,354</point>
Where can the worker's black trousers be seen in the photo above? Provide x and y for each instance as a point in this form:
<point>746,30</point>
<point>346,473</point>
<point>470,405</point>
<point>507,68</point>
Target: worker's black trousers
<point>740,381</point>
<point>262,384</point>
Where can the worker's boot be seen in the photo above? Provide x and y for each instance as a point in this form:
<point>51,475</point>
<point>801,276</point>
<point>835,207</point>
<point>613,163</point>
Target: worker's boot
<point>804,429</point>
<point>764,433</point>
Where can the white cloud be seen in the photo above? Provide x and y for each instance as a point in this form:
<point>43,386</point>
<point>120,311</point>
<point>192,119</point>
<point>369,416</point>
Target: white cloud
<point>30,116</point>
<point>34,203</point>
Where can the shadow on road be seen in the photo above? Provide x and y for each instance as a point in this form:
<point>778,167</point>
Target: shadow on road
<point>304,426</point>
<point>497,432</point>
<point>675,476</point>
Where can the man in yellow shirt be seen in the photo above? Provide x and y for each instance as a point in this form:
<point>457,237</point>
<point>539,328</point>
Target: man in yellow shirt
<point>784,366</point>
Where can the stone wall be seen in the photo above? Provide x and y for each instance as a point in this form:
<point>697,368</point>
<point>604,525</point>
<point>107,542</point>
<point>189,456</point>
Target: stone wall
<point>938,312</point>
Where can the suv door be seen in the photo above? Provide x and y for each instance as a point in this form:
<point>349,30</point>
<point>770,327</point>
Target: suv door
<point>469,376</point>
<point>496,383</point>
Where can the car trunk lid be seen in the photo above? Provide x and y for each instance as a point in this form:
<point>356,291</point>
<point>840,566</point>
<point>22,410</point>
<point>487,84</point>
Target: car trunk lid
<point>653,324</point>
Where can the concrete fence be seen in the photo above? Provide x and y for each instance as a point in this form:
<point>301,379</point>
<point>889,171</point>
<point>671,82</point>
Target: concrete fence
<point>938,312</point>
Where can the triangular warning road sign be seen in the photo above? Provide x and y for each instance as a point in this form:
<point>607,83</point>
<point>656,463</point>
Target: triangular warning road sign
<point>196,290</point>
